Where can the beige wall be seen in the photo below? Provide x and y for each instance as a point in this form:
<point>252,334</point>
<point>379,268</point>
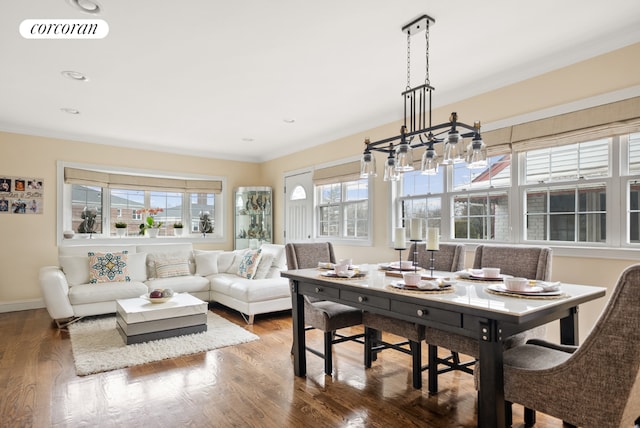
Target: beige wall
<point>29,240</point>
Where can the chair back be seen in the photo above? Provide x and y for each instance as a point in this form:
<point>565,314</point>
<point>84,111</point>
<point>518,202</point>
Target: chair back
<point>307,255</point>
<point>449,258</point>
<point>527,262</point>
<point>599,384</point>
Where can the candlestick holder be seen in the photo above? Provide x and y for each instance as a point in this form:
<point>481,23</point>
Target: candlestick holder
<point>415,254</point>
<point>399,250</point>
<point>432,261</point>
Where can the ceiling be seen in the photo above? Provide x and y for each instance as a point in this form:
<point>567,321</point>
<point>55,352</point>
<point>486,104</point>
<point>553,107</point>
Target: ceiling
<point>222,79</point>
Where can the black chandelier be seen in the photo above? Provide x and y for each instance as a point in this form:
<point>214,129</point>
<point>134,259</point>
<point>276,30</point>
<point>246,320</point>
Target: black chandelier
<point>418,131</point>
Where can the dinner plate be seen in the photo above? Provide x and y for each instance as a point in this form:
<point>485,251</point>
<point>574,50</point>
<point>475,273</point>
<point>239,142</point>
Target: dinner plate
<point>530,291</point>
<point>351,275</point>
<point>402,285</point>
<point>481,277</point>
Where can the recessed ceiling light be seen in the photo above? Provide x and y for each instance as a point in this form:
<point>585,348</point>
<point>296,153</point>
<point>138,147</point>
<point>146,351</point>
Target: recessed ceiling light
<point>86,6</point>
<point>74,75</point>
<point>70,110</point>
<point>247,139</point>
<point>288,120</point>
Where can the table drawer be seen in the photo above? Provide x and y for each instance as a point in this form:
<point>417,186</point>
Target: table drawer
<point>432,314</point>
<point>319,291</point>
<point>372,301</point>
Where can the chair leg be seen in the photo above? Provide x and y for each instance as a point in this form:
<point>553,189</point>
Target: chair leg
<point>508,413</point>
<point>529,417</point>
<point>416,360</point>
<point>328,357</point>
<point>433,369</point>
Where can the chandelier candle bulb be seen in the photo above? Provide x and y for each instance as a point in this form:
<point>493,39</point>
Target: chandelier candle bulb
<point>400,240</point>
<point>416,229</point>
<point>433,239</point>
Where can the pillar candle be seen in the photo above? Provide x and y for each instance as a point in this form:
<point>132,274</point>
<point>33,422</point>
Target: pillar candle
<point>416,229</point>
<point>399,239</point>
<point>433,239</point>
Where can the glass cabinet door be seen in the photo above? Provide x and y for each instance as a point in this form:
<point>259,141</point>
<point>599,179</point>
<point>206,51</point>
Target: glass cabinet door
<point>253,217</point>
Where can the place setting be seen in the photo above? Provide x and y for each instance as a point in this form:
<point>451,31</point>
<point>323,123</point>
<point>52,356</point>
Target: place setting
<point>415,283</point>
<point>344,269</point>
<point>525,288</point>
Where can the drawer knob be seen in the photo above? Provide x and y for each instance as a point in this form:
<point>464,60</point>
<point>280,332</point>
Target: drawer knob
<point>362,299</point>
<point>422,312</point>
<point>318,289</point>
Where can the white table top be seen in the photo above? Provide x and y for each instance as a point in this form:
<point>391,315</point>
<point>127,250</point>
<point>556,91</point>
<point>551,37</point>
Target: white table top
<point>140,310</point>
<point>465,292</point>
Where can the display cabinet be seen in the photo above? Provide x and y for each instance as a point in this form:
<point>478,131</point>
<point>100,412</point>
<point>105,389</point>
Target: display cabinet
<point>253,217</point>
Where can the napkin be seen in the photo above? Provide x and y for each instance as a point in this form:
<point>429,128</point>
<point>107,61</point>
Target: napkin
<point>428,285</point>
<point>325,265</point>
<point>549,286</point>
<point>347,274</point>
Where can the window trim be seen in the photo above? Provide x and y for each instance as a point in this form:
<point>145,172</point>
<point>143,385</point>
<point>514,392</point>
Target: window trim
<point>63,207</point>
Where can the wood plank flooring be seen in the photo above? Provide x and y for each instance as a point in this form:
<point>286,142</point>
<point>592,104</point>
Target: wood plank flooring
<point>249,385</point>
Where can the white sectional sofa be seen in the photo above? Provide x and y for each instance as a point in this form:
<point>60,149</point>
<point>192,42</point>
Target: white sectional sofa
<point>213,276</point>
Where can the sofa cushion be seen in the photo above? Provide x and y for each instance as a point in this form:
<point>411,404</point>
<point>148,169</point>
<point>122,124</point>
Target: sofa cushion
<point>206,262</point>
<point>180,284</point>
<point>263,267</point>
<point>235,263</point>
<point>108,267</point>
<point>249,264</point>
<point>169,268</point>
<point>75,268</point>
<point>249,290</point>
<point>137,263</point>
<point>96,293</point>
<point>277,251</point>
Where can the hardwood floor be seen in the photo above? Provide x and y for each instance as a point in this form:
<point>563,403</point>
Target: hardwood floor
<point>248,385</point>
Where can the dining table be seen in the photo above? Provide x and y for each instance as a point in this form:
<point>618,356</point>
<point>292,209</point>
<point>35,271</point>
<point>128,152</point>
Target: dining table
<point>472,306</point>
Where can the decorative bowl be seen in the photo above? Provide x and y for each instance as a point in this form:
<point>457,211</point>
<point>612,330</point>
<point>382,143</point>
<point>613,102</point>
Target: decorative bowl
<point>156,299</point>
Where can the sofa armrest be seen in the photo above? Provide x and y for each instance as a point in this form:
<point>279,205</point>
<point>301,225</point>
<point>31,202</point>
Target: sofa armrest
<point>55,292</point>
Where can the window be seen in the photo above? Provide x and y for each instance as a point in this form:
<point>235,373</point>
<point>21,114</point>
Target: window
<point>343,210</point>
<point>575,211</point>
<point>463,203</point>
<point>117,197</point>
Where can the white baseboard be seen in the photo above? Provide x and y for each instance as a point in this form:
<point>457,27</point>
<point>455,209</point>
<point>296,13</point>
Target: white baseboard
<point>21,305</point>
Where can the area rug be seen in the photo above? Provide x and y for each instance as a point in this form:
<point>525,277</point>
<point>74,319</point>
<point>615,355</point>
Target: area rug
<point>98,347</point>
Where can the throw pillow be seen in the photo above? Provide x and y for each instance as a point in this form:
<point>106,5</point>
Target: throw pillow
<point>168,268</point>
<point>263,267</point>
<point>108,267</point>
<point>206,262</point>
<point>137,265</point>
<point>249,264</point>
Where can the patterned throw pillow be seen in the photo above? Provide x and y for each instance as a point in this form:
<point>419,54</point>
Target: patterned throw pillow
<point>249,263</point>
<point>168,268</point>
<point>108,267</point>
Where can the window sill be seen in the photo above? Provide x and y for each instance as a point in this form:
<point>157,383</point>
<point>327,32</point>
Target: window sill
<point>136,240</point>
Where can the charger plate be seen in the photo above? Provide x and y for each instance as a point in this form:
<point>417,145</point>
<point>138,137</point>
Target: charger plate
<point>395,286</point>
<point>548,295</point>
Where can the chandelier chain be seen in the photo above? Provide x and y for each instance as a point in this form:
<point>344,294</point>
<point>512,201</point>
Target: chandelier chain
<point>426,53</point>
<point>408,60</point>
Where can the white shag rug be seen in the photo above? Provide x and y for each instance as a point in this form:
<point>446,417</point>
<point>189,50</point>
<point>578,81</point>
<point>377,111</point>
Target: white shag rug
<point>98,347</point>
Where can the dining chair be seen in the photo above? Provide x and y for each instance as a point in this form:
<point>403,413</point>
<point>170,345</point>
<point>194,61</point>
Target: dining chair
<point>528,262</point>
<point>450,258</point>
<point>321,314</point>
<point>596,384</point>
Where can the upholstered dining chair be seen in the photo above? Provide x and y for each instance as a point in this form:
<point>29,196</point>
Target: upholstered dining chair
<point>320,314</point>
<point>450,258</point>
<point>594,385</point>
<point>528,262</point>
